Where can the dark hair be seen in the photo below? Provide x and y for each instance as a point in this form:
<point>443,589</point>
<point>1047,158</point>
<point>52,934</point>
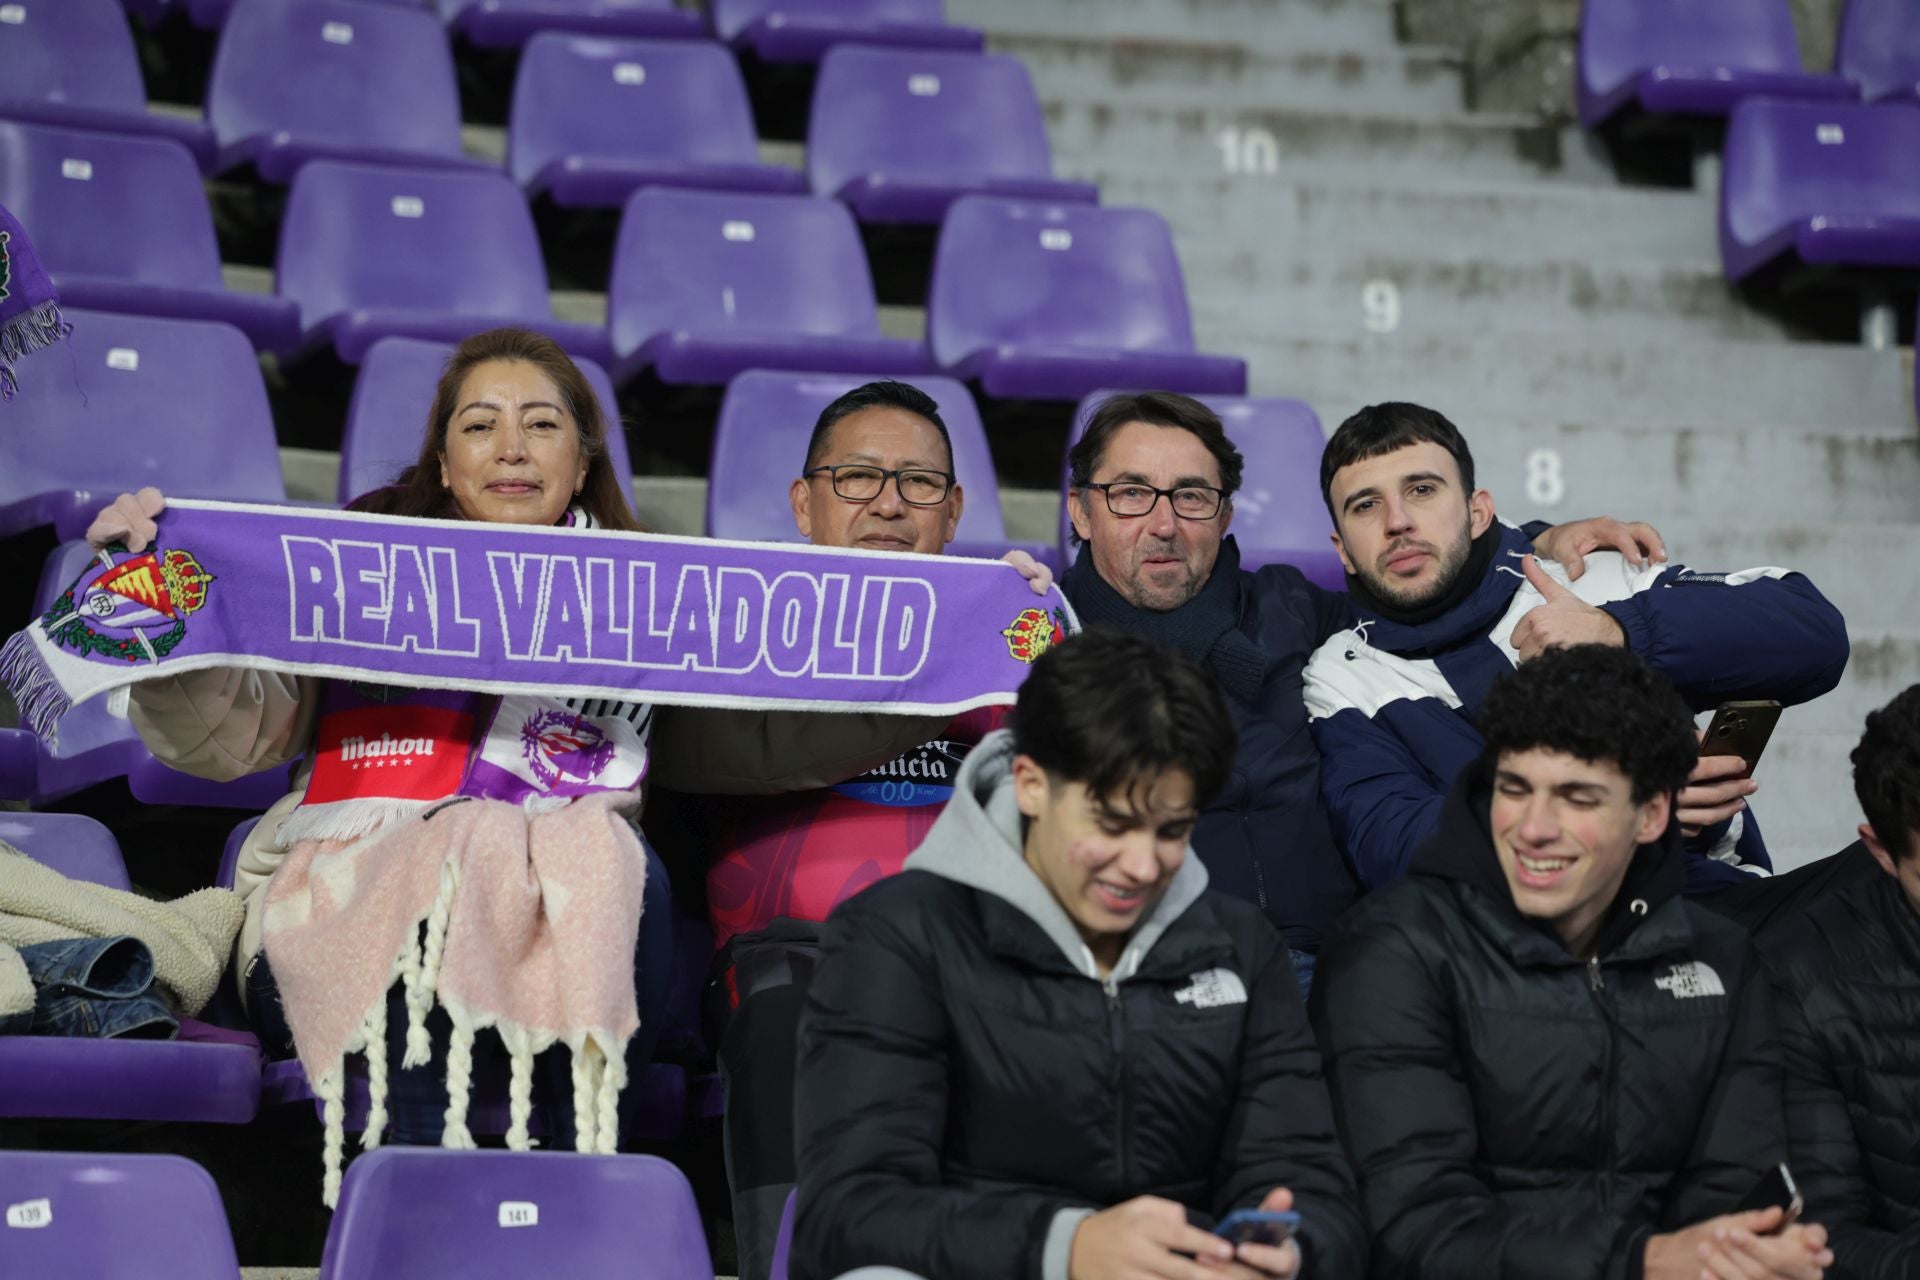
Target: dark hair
<point>1597,703</point>
<point>1886,772</point>
<point>885,394</point>
<point>418,491</point>
<point>1382,428</point>
<point>1158,409</point>
<point>1111,710</point>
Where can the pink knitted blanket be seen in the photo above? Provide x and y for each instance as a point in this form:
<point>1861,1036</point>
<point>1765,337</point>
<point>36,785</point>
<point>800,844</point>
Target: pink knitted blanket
<point>530,920</point>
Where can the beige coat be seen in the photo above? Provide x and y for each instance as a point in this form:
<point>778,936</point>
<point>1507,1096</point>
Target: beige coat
<point>226,723</point>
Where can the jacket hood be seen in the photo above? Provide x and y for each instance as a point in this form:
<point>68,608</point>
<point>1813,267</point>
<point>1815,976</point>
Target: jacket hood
<point>1462,849</point>
<point>1471,619</point>
<point>976,841</point>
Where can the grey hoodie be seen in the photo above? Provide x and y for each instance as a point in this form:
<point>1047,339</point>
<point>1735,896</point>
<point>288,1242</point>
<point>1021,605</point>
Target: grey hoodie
<point>976,841</point>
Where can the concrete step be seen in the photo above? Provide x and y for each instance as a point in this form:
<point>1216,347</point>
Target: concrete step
<point>1503,222</point>
<point>1186,73</point>
<point>1099,141</point>
<point>1267,25</point>
<point>1704,385</point>
<point>1884,662</point>
<point>1304,289</point>
<point>1850,563</point>
<point>1805,804</point>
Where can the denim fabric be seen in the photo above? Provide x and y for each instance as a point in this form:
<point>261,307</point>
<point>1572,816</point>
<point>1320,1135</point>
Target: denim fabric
<point>417,1097</point>
<point>60,1012</point>
<point>105,967</point>
<point>1303,966</point>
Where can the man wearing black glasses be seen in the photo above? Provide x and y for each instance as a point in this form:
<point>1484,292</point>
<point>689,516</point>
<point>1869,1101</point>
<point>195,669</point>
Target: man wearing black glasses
<point>1150,495</point>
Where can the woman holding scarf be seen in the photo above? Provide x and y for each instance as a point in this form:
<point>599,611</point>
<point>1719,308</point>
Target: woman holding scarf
<point>453,862</point>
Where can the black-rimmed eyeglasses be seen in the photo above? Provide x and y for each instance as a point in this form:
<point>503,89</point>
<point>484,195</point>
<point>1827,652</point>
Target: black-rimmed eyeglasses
<point>1189,502</point>
<point>858,482</point>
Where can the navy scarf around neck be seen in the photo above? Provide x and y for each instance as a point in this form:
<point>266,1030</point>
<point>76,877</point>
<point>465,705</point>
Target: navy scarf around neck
<point>1205,628</point>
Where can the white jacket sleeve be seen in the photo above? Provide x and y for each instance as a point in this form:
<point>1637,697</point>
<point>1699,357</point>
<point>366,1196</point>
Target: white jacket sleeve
<point>225,722</point>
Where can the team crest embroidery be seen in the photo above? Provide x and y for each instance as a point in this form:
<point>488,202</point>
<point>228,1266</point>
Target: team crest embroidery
<point>6,265</point>
<point>132,611</point>
<point>560,744</point>
<point>1034,632</point>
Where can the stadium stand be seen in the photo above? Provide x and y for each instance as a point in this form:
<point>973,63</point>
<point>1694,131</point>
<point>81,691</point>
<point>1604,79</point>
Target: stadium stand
<point>510,23</point>
<point>803,30</point>
<point>1879,49</point>
<point>1051,301</point>
<point>72,63</point>
<point>213,13</point>
<point>374,251</point>
<point>122,223</point>
<point>1278,515</point>
<point>707,285</point>
<point>595,120</point>
<point>414,1212</point>
<point>109,1216</point>
<point>392,395</point>
<point>336,79</point>
<point>900,135</point>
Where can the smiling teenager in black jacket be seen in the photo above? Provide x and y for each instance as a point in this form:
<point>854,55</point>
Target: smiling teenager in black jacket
<point>1544,1061</point>
<point>1046,1049</point>
<point>1848,998</point>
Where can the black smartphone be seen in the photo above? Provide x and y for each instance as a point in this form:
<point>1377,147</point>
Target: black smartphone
<point>1741,729</point>
<point>1258,1226</point>
<point>1776,1190</point>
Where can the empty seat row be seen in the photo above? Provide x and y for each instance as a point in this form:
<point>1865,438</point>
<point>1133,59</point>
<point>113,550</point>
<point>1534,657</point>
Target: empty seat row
<point>1679,58</point>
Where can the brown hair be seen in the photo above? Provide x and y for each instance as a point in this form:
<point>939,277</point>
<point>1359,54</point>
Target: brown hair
<point>418,491</point>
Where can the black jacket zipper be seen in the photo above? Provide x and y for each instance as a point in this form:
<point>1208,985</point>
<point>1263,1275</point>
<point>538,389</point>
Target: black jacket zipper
<point>1117,1029</point>
<point>1609,1083</point>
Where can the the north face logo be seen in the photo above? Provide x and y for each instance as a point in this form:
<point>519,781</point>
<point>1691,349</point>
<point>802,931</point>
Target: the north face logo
<point>1691,979</point>
<point>1212,989</point>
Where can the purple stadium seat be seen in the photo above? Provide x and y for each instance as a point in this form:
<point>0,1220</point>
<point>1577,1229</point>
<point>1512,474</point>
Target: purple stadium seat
<point>373,251</point>
<point>1826,183</point>
<point>72,63</point>
<point>391,400</point>
<point>508,23</point>
<point>1682,58</point>
<point>595,120</point>
<point>339,79</point>
<point>782,1241</point>
<point>1879,49</point>
<point>1278,515</point>
<point>803,30</point>
<point>212,14</point>
<point>900,135</point>
<point>56,1077</point>
<point>1052,301</point>
<point>760,444</point>
<point>174,403</point>
<point>706,285</point>
<point>151,12</point>
<point>122,223</point>
<point>94,742</point>
<point>482,1215</point>
<point>107,1216</point>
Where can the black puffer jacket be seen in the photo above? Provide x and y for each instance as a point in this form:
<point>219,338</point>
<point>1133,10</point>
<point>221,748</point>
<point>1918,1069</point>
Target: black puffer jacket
<point>1847,991</point>
<point>1511,1111</point>
<point>969,1090</point>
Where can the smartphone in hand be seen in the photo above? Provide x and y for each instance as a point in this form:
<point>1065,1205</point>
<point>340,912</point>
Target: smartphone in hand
<point>1776,1190</point>
<point>1741,729</point>
<point>1258,1226</point>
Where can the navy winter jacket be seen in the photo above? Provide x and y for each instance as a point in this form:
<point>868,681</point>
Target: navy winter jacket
<point>1393,705</point>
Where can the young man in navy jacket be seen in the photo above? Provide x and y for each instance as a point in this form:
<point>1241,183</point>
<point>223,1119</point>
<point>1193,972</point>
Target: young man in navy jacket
<point>1449,599</point>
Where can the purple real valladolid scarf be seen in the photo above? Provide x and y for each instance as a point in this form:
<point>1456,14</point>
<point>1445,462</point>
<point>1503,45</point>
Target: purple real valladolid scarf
<point>511,609</point>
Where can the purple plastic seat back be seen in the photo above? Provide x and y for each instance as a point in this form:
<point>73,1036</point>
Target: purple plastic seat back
<point>1278,514</point>
<point>731,17</point>
<point>1850,165</point>
<point>74,52</point>
<point>783,1241</point>
<point>339,77</point>
<point>925,114</point>
<point>125,208</point>
<point>760,445</point>
<point>135,401</point>
<point>73,844</point>
<point>743,264</point>
<point>429,240</point>
<point>113,1217</point>
<point>1879,48</point>
<point>391,401</point>
<point>1055,275</point>
<point>1622,39</point>
<point>674,101</point>
<point>503,1215</point>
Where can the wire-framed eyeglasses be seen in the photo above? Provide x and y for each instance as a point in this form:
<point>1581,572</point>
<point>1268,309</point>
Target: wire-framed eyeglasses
<point>859,482</point>
<point>1189,502</point>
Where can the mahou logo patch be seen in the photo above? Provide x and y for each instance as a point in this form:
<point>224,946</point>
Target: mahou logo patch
<point>412,753</point>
